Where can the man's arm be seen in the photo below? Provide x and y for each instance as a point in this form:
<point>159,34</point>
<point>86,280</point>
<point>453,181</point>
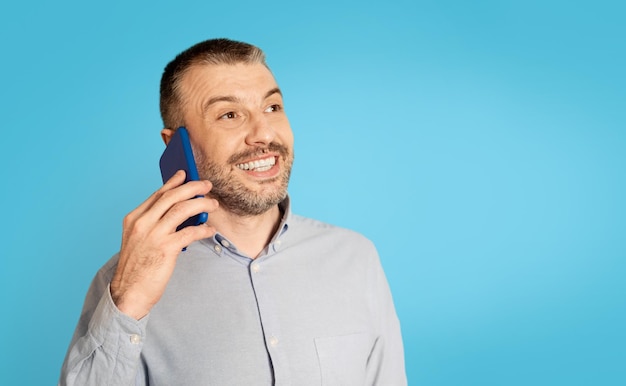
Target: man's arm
<point>106,345</point>
<point>386,363</point>
<point>109,337</point>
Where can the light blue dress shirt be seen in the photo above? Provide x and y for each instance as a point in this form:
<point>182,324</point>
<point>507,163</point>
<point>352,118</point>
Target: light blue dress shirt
<point>313,309</point>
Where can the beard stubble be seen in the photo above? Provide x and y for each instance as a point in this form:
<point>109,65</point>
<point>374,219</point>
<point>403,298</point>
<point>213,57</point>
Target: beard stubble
<point>233,194</point>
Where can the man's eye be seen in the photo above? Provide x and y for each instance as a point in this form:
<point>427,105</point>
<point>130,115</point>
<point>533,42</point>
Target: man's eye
<point>229,115</point>
<point>273,108</point>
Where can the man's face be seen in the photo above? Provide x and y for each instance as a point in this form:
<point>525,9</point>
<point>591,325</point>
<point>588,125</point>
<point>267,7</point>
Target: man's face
<point>242,140</point>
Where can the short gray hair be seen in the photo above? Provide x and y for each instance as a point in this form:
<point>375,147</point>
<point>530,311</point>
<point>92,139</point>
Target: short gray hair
<point>214,51</point>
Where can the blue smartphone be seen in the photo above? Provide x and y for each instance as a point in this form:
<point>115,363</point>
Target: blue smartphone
<point>178,155</point>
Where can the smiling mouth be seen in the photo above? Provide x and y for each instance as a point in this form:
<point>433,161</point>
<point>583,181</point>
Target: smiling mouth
<point>260,165</point>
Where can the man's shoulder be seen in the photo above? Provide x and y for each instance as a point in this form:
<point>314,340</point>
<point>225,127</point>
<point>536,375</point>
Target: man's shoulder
<point>307,227</point>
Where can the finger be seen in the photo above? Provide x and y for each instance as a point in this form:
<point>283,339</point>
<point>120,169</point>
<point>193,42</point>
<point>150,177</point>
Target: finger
<point>181,211</point>
<point>176,180</point>
<point>188,235</point>
<point>174,196</point>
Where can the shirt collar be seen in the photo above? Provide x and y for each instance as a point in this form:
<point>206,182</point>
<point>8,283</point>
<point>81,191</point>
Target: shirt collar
<point>218,242</point>
<point>285,210</point>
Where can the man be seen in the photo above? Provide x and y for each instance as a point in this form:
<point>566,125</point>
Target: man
<point>260,296</point>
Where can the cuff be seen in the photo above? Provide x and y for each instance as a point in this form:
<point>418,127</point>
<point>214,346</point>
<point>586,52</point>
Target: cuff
<point>115,331</point>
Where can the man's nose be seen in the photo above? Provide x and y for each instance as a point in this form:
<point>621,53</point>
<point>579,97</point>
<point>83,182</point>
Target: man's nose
<point>260,131</point>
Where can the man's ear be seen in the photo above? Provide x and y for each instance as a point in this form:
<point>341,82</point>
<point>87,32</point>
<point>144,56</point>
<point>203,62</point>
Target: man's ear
<point>166,134</point>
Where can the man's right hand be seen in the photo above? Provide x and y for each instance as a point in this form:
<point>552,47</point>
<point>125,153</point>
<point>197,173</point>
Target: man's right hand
<point>151,244</point>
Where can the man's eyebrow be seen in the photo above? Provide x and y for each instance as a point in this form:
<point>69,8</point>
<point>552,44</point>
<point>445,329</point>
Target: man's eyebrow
<point>233,99</point>
<point>273,91</point>
<point>216,99</point>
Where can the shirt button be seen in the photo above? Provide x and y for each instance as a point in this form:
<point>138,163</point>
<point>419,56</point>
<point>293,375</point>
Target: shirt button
<point>217,248</point>
<point>225,243</point>
<point>255,268</point>
<point>273,341</point>
<point>277,244</point>
<point>135,339</point>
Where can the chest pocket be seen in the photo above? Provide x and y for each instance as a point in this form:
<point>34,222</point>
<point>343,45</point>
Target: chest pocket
<point>343,359</point>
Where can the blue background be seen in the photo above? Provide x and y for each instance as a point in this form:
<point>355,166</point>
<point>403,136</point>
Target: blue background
<point>481,145</point>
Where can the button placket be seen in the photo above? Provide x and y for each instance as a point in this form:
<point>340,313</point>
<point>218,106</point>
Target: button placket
<point>259,272</point>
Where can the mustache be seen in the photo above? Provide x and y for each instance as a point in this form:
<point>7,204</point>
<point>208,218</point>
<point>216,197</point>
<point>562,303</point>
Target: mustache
<point>259,151</point>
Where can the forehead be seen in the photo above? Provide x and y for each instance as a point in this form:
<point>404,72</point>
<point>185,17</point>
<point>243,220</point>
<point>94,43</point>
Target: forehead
<point>241,80</point>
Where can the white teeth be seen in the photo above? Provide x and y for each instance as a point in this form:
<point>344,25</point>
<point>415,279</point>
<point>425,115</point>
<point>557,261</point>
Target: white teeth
<point>258,165</point>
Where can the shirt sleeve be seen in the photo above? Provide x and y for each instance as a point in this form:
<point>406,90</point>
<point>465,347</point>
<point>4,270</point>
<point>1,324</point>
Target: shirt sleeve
<point>386,363</point>
<point>107,344</point>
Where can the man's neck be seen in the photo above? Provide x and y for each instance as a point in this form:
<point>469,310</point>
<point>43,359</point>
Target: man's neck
<point>250,234</point>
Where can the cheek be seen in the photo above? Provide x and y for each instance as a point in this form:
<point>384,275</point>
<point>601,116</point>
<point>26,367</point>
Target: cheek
<point>214,154</point>
<point>218,149</point>
<point>284,132</point>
